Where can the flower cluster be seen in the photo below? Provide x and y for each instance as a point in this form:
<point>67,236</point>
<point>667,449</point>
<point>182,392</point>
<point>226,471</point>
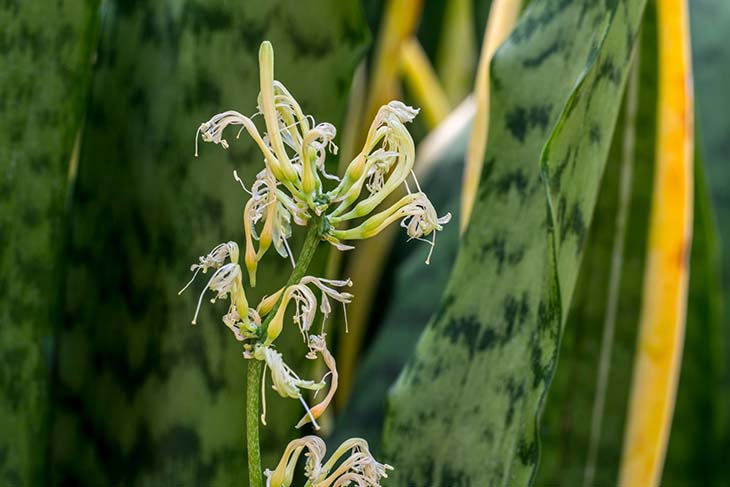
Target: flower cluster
<point>258,342</point>
<point>359,468</point>
<point>292,189</point>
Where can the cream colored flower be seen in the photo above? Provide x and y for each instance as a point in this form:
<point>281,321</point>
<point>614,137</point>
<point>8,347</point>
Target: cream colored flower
<point>242,329</point>
<point>305,303</point>
<point>382,166</point>
<point>215,258</point>
<point>276,210</point>
<point>283,474</point>
<point>284,380</point>
<point>328,292</point>
<point>417,216</point>
<point>359,467</point>
<point>318,346</point>
<point>226,280</point>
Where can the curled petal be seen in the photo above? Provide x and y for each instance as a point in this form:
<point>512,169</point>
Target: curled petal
<point>226,280</point>
<point>284,380</point>
<point>384,168</point>
<point>215,258</point>
<point>283,474</point>
<point>317,344</point>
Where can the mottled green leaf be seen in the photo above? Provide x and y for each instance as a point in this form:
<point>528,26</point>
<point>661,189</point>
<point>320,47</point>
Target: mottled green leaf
<point>603,322</point>
<point>44,74</point>
<point>145,398</point>
<point>465,409</point>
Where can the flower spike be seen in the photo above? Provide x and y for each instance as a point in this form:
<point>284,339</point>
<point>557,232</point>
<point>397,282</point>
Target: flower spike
<point>290,191</point>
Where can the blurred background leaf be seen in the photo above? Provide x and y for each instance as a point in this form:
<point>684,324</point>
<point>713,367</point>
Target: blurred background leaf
<point>711,59</point>
<point>696,445</point>
<point>44,76</point>
<point>488,356</point>
<point>145,398</point>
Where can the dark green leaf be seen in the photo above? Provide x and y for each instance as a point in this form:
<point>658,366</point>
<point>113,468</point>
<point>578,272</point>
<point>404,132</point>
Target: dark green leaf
<point>44,72</point>
<point>711,62</point>
<point>696,455</point>
<point>146,398</point>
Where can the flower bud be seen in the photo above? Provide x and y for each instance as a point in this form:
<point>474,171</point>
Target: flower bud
<point>267,107</point>
<point>250,256</point>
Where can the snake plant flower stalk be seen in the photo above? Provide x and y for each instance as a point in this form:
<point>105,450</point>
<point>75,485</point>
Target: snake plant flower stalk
<point>293,189</point>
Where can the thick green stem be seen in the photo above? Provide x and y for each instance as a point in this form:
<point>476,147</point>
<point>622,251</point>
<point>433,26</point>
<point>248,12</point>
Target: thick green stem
<point>255,478</point>
<point>311,241</point>
<point>255,367</point>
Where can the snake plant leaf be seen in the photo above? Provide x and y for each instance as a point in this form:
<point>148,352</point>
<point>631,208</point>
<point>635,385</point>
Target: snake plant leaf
<point>45,70</point>
<point>472,392</point>
<point>145,398</point>
<point>603,319</point>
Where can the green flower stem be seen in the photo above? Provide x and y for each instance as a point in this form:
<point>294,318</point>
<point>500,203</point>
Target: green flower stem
<point>255,478</point>
<point>311,242</point>
<point>255,367</point>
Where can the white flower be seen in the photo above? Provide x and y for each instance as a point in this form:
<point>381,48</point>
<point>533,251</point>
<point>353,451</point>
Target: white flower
<point>284,380</point>
<point>422,220</point>
<point>359,468</point>
<point>276,209</point>
<point>382,163</point>
<point>328,292</point>
<point>306,305</point>
<point>283,474</point>
<point>213,260</point>
<point>318,345</point>
<point>242,329</point>
<point>212,131</point>
<point>321,139</point>
<point>417,216</point>
<point>382,166</point>
<point>403,112</point>
<point>226,280</point>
